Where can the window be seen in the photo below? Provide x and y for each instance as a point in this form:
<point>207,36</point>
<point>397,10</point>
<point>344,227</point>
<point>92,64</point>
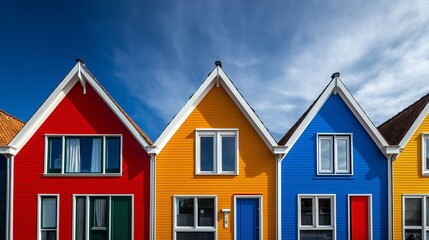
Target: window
<point>83,154</point>
<point>316,216</point>
<point>48,217</point>
<point>195,217</point>
<point>425,154</point>
<point>416,216</point>
<point>102,217</point>
<point>217,152</point>
<point>334,154</point>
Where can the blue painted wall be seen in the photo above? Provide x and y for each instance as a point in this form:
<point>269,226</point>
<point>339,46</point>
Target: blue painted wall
<point>299,172</point>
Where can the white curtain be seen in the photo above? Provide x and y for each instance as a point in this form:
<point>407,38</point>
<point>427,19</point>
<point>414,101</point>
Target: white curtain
<point>73,155</point>
<point>96,155</point>
<point>100,212</point>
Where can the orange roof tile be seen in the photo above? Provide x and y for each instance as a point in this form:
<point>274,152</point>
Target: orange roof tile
<point>9,127</point>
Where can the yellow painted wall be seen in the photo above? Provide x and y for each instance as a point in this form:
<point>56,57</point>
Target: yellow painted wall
<point>175,167</point>
<point>407,179</point>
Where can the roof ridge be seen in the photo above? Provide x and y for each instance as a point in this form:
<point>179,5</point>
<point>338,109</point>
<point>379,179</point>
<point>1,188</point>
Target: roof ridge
<point>10,115</point>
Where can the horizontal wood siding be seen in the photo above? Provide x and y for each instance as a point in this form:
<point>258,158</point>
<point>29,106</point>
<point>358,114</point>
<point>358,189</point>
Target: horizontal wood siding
<point>175,167</point>
<point>408,177</point>
<point>299,172</point>
<point>78,113</point>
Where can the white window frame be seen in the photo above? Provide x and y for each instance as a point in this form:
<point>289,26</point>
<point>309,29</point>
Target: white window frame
<point>261,207</point>
<point>334,154</point>
<point>87,203</point>
<point>217,135</point>
<point>425,170</point>
<point>39,214</point>
<point>194,228</point>
<point>369,213</point>
<point>315,211</point>
<point>63,173</point>
<point>423,228</point>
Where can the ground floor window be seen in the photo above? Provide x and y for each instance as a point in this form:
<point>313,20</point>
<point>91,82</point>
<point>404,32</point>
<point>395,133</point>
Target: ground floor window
<point>195,217</point>
<point>316,216</point>
<point>416,216</point>
<point>103,217</point>
<point>48,217</point>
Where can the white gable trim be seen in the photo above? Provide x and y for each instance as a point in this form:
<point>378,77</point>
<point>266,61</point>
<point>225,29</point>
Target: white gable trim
<point>414,127</point>
<point>55,99</point>
<point>336,86</point>
<point>215,77</point>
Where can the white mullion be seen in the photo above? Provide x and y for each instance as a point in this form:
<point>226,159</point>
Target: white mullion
<point>87,208</point>
<point>63,153</point>
<point>217,153</point>
<point>195,212</point>
<point>104,155</point>
<point>316,211</point>
<point>110,218</point>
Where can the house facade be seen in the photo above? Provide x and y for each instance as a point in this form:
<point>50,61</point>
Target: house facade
<point>409,129</point>
<point>80,169</point>
<point>215,169</point>
<point>335,174</point>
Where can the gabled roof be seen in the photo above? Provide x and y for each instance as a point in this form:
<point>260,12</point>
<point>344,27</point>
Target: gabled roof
<point>217,76</point>
<point>9,127</point>
<point>78,73</point>
<point>399,129</point>
<point>335,86</point>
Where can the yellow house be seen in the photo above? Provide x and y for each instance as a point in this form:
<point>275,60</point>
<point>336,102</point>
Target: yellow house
<point>409,129</point>
<point>214,169</point>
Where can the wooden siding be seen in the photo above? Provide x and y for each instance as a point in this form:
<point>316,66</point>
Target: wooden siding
<point>78,113</point>
<point>407,178</point>
<point>175,167</point>
<point>299,172</point>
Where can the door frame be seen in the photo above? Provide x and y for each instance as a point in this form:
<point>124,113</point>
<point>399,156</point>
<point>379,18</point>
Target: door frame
<point>259,197</point>
<point>369,213</point>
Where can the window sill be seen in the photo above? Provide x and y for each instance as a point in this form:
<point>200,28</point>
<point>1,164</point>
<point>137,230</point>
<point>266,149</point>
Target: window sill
<point>82,175</point>
<point>216,174</point>
<point>333,177</point>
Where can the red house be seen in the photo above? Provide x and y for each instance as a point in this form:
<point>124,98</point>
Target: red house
<point>80,168</point>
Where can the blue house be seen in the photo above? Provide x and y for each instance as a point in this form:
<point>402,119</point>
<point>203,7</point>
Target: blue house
<point>334,177</point>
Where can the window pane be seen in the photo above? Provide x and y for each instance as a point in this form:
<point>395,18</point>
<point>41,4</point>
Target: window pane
<point>113,145</point>
<point>80,218</point>
<point>49,212</point>
<point>49,235</point>
<point>306,211</point>
<point>413,212</point>
<point>325,211</point>
<point>315,234</point>
<point>228,154</point>
<point>195,236</point>
<point>427,153</point>
<point>185,209</point>
<point>207,154</point>
<point>206,212</point>
<point>100,212</point>
<point>416,232</point>
<point>325,155</point>
<point>83,155</point>
<point>55,146</point>
<point>342,154</point>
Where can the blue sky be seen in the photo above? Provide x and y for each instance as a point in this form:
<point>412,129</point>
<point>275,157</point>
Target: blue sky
<point>152,55</point>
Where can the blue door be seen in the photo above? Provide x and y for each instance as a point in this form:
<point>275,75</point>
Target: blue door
<point>247,217</point>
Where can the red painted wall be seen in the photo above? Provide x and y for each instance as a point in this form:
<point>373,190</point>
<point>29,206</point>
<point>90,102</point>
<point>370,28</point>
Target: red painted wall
<point>78,114</point>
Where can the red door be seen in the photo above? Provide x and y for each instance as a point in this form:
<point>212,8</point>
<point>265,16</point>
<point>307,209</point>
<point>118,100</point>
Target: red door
<point>359,217</point>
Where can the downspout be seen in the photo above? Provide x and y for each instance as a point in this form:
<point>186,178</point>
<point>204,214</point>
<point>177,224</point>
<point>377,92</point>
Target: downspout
<point>391,195</point>
<point>7,195</point>
<point>9,198</point>
<point>278,195</point>
<point>152,224</point>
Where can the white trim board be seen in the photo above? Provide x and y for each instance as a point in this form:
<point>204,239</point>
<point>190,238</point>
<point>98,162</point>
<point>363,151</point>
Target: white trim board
<point>216,77</point>
<point>55,98</point>
<point>336,86</point>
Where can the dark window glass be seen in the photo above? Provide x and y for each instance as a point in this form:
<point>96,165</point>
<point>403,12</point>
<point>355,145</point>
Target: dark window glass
<point>206,212</point>
<point>306,211</point>
<point>55,147</point>
<point>413,212</point>
<point>207,154</point>
<point>113,154</point>
<point>228,154</point>
<point>185,208</point>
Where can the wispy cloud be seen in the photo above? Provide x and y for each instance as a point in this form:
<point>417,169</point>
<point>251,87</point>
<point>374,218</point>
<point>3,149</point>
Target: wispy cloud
<point>280,54</point>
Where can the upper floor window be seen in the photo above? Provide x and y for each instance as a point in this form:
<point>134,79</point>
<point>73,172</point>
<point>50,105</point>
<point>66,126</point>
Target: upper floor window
<point>83,154</point>
<point>425,154</point>
<point>334,154</point>
<point>217,151</point>
<point>316,214</point>
<point>415,216</point>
